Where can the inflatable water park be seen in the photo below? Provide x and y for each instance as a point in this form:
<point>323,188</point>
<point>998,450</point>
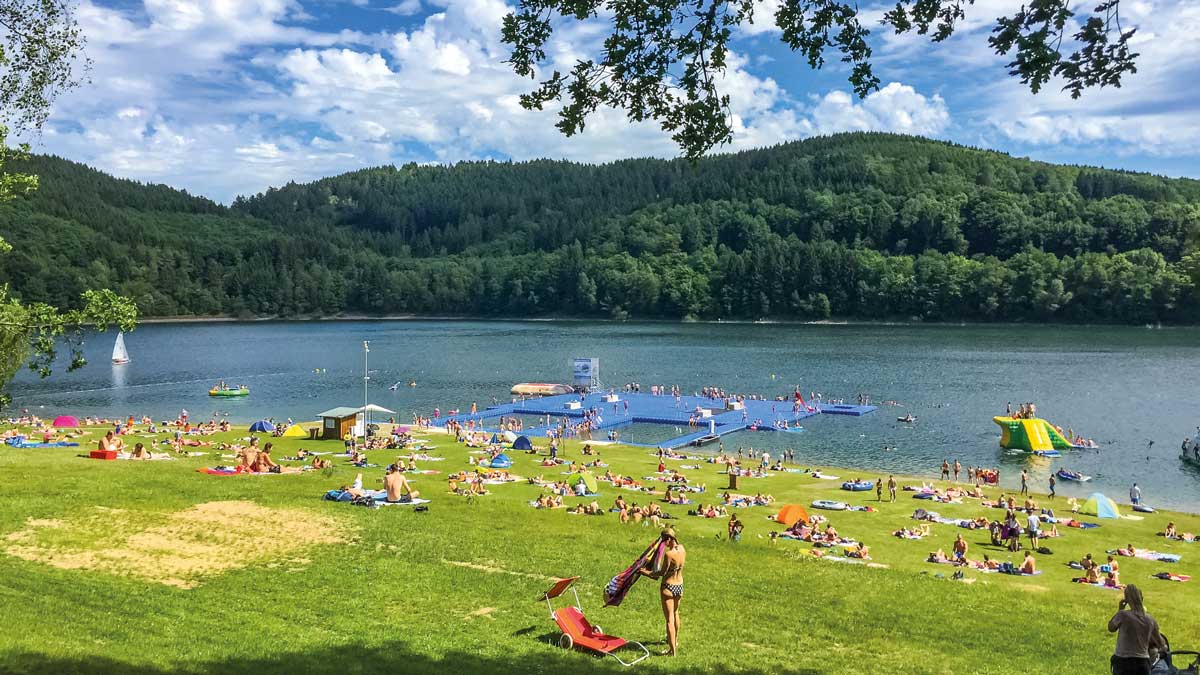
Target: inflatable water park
<point>1031,434</point>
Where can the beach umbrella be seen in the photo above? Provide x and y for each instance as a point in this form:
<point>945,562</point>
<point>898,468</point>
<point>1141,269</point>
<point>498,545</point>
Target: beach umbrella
<point>262,427</point>
<point>65,422</point>
<point>791,514</point>
<point>1100,506</point>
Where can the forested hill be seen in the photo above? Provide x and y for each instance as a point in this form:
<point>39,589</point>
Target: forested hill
<point>855,225</point>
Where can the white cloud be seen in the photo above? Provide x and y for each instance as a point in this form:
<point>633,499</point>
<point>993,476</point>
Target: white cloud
<point>405,8</point>
<point>895,107</point>
<point>232,96</point>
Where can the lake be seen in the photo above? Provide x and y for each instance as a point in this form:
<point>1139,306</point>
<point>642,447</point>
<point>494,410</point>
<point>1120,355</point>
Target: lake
<point>1123,387</point>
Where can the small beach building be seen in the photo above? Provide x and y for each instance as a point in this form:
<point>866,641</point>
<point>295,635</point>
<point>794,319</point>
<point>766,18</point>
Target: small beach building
<point>337,422</point>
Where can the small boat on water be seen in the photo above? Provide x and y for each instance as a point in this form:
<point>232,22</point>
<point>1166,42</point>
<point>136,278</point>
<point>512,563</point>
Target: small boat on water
<point>120,355</point>
<point>1074,476</point>
<point>221,390</point>
<point>907,419</point>
<point>1046,453</point>
<point>705,440</point>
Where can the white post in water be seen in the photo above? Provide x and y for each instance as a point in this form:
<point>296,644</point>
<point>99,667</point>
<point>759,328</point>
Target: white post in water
<point>366,377</point>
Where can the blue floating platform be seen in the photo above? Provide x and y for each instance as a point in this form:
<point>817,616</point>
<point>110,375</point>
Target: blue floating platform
<point>694,412</point>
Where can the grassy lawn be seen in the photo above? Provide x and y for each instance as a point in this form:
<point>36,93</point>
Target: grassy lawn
<point>150,567</point>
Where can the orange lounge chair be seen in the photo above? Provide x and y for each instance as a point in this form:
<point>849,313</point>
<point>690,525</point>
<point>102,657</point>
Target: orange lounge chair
<point>577,631</point>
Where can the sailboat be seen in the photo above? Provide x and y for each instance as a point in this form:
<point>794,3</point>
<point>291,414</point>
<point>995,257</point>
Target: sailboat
<point>120,355</point>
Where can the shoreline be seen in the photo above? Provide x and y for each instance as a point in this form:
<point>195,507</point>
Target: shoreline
<point>882,323</point>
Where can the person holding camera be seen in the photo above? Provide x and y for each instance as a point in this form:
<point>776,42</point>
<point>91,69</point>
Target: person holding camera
<point>1137,634</point>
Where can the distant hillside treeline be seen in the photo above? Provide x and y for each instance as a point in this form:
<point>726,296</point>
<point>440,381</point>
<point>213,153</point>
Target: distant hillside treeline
<point>854,225</point>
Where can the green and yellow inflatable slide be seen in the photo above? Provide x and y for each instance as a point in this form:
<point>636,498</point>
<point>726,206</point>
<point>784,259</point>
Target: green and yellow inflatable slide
<point>1030,434</point>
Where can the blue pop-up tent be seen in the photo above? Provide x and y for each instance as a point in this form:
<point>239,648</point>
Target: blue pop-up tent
<point>522,443</point>
<point>1100,506</point>
<point>501,461</point>
<point>262,427</point>
<point>495,439</point>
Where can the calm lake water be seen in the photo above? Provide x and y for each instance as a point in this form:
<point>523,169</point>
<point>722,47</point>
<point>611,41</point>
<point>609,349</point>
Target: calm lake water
<point>1124,387</point>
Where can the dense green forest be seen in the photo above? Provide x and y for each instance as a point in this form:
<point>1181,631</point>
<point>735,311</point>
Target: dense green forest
<point>855,225</point>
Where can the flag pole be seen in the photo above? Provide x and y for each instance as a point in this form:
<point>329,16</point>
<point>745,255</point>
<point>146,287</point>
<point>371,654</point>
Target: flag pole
<point>366,377</point>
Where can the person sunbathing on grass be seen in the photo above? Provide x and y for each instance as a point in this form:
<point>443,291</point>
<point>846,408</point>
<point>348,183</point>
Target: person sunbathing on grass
<point>397,487</point>
<point>938,556</point>
<point>960,549</point>
<point>1029,565</point>
<point>318,463</point>
<point>1112,580</point>
<point>677,499</point>
<point>860,551</point>
<point>592,509</point>
<point>139,452</point>
<point>248,456</point>
<point>264,463</point>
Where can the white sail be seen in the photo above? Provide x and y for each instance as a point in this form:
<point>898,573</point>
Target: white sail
<point>120,355</point>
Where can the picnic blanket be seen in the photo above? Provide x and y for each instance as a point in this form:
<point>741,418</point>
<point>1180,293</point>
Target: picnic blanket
<point>18,442</point>
<point>1147,555</point>
<point>1167,576</point>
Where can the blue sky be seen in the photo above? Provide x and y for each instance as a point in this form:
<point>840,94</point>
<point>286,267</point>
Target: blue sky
<point>228,97</point>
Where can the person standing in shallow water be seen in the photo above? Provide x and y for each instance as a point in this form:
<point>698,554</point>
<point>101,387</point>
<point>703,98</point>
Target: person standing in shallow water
<point>671,588</point>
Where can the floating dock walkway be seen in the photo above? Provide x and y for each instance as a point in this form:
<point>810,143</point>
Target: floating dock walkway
<point>692,412</point>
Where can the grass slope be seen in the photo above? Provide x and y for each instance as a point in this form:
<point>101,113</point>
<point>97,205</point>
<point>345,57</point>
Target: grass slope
<point>454,589</point>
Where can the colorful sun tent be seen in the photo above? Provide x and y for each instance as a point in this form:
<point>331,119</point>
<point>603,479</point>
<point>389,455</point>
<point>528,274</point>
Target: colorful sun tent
<point>65,422</point>
<point>1100,506</point>
<point>586,478</point>
<point>791,514</point>
<point>296,431</point>
<point>262,427</point>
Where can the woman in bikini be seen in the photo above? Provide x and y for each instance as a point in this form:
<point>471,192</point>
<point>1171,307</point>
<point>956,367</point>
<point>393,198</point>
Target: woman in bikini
<point>671,588</point>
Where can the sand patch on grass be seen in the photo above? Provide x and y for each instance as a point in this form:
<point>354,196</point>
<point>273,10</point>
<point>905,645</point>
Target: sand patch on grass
<point>184,547</point>
<point>485,612</point>
<point>492,568</point>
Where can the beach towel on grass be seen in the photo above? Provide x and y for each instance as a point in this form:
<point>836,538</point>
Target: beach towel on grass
<point>1148,555</point>
<point>618,587</point>
<point>1167,576</point>
<point>413,502</point>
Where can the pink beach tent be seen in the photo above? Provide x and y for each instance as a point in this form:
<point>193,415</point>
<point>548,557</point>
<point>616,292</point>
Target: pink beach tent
<point>65,422</point>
